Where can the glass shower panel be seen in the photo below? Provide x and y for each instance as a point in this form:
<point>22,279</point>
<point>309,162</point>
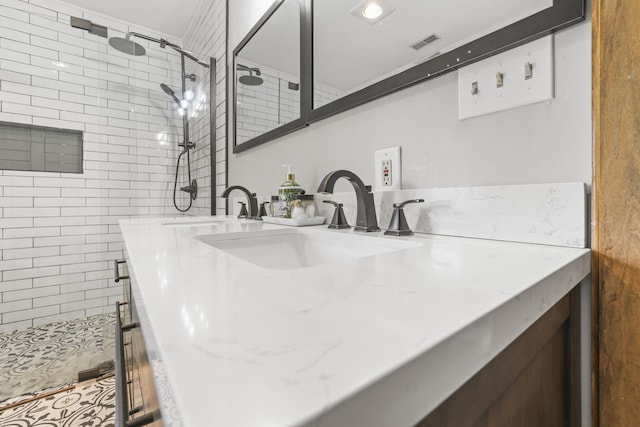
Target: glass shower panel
<point>145,121</point>
<point>150,109</point>
<point>156,128</point>
<point>198,113</point>
<point>133,169</point>
<point>105,168</point>
<point>66,82</point>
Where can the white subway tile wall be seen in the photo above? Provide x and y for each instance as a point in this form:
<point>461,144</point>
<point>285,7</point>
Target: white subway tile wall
<point>206,35</point>
<point>59,231</point>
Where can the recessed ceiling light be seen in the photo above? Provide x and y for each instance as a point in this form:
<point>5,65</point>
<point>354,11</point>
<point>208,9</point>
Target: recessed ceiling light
<point>372,11</point>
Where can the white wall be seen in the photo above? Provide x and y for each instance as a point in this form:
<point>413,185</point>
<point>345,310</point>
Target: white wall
<point>243,14</point>
<point>548,142</point>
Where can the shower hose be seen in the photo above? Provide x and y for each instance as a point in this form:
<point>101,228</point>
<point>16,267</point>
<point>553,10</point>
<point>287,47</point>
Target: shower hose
<point>175,183</point>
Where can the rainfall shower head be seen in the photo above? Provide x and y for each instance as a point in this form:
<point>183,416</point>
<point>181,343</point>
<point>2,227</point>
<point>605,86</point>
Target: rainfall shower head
<point>250,80</point>
<point>127,46</point>
<point>170,92</point>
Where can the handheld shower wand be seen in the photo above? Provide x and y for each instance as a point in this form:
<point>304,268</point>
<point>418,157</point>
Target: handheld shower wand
<point>170,92</point>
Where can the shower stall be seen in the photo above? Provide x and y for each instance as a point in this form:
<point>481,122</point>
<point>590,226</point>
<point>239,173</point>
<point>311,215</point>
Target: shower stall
<point>145,107</point>
<point>183,104</point>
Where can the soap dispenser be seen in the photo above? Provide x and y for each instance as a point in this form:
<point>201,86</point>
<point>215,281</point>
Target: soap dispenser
<point>287,191</point>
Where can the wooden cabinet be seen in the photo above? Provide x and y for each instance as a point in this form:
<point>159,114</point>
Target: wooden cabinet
<point>534,382</point>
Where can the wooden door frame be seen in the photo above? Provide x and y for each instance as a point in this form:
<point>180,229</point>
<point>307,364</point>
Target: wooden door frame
<point>616,213</point>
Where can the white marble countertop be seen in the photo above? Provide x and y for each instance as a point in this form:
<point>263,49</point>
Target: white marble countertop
<point>376,341</point>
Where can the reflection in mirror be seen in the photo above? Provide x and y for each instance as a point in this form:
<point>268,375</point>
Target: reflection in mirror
<point>267,75</point>
<point>353,51</point>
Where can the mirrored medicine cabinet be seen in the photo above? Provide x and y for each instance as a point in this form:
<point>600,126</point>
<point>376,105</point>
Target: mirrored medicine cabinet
<point>306,60</point>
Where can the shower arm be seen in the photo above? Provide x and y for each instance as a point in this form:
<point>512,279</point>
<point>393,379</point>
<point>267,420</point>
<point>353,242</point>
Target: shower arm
<point>249,69</point>
<point>163,43</point>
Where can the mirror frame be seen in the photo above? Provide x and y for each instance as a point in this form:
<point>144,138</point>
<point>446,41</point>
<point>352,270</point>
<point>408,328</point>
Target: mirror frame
<point>562,14</point>
<point>306,84</point>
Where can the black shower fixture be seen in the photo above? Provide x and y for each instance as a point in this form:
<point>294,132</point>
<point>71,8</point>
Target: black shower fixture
<point>126,45</point>
<point>170,92</point>
<point>90,27</point>
<point>250,80</point>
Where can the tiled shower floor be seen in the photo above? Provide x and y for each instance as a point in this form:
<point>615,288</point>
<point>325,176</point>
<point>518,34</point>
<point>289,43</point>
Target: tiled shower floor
<point>88,404</point>
<point>49,356</point>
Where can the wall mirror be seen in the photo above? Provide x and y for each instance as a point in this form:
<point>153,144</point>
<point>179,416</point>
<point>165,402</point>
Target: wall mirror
<point>268,94</point>
<point>357,44</point>
<point>366,49</point>
<point>402,42</point>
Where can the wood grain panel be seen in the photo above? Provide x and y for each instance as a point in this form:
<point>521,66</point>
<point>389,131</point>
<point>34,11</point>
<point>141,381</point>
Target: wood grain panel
<point>523,404</point>
<point>529,384</point>
<point>616,208</point>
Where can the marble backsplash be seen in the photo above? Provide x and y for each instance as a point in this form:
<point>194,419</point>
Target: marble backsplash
<point>551,214</point>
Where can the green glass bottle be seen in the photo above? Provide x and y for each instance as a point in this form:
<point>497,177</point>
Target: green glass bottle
<point>286,192</point>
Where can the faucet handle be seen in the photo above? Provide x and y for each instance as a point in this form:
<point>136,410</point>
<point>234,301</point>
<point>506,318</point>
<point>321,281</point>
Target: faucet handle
<point>243,210</point>
<point>339,221</point>
<point>406,202</point>
<point>262,211</point>
<point>398,225</point>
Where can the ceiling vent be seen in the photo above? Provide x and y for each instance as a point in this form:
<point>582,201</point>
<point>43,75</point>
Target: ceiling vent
<point>422,43</point>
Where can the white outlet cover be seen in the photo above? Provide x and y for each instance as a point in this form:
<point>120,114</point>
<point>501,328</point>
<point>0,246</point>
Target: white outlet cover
<point>516,90</point>
<point>392,154</point>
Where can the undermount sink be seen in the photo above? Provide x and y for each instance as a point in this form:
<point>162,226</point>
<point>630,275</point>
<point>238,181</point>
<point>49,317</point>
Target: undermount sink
<point>192,223</point>
<point>295,248</point>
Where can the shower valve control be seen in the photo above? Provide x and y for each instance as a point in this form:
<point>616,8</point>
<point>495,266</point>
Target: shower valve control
<point>189,145</point>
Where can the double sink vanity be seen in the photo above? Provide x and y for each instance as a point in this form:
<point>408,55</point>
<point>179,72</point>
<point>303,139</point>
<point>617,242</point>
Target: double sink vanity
<point>472,321</point>
<point>253,324</point>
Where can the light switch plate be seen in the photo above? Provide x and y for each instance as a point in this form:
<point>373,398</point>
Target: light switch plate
<point>511,68</point>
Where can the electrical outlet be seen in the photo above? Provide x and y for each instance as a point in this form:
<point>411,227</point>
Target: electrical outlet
<point>388,175</point>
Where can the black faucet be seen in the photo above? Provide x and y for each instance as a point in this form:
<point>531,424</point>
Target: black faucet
<point>251,199</point>
<point>366,215</point>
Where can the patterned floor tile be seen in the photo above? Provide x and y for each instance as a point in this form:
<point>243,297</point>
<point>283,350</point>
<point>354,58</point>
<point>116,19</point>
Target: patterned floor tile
<point>39,358</point>
<point>88,404</point>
